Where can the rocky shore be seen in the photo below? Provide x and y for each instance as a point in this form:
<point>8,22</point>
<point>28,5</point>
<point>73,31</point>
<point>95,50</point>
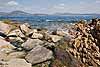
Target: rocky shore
<point>75,45</point>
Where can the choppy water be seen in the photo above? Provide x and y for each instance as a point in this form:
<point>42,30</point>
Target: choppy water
<point>43,21</point>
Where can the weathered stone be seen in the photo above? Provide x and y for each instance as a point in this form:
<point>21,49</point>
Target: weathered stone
<point>48,44</point>
<point>83,60</point>
<point>3,55</point>
<point>17,63</point>
<point>77,43</point>
<point>37,36</point>
<point>5,44</point>
<point>4,28</point>
<point>38,54</point>
<point>58,32</point>
<point>16,32</point>
<point>65,59</point>
<point>31,43</point>
<point>16,55</point>
<point>25,28</point>
<point>55,38</point>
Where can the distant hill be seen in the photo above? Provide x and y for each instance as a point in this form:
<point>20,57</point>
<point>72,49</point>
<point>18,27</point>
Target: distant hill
<point>25,14</point>
<point>3,13</point>
<point>76,14</point>
<point>19,13</point>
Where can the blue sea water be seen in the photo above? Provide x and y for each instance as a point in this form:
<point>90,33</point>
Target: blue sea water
<point>43,21</point>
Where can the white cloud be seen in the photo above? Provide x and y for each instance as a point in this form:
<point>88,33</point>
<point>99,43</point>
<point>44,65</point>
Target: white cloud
<point>59,6</point>
<point>62,4</point>
<point>97,1</point>
<point>12,3</point>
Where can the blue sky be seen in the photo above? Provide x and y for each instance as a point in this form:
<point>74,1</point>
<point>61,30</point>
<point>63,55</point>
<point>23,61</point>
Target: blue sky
<point>51,6</point>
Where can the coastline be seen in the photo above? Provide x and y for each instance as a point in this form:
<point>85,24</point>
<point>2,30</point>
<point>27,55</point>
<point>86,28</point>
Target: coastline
<point>67,45</point>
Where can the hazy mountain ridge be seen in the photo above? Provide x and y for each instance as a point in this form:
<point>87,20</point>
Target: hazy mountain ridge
<point>76,14</point>
<point>25,14</point>
<point>19,13</point>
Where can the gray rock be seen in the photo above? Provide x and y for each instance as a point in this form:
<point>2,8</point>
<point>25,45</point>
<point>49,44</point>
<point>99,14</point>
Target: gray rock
<point>37,35</point>
<point>4,28</point>
<point>3,55</point>
<point>16,32</point>
<point>17,63</point>
<point>38,54</point>
<point>16,55</point>
<point>48,44</point>
<point>55,38</point>
<point>31,43</point>
<point>25,28</point>
<point>5,44</point>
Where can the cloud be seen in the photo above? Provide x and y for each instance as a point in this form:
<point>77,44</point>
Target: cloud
<point>12,3</point>
<point>59,6</point>
<point>62,4</point>
<point>97,1</point>
<point>85,6</point>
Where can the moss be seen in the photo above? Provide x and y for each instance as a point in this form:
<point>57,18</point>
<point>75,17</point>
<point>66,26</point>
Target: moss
<point>38,65</point>
<point>44,64</point>
<point>7,21</point>
<point>57,63</point>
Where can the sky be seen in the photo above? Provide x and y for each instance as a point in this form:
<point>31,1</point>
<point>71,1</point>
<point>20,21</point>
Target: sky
<point>51,6</point>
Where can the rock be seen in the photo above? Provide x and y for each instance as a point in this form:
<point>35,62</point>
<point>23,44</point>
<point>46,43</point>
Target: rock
<point>4,28</point>
<point>5,44</point>
<point>16,55</point>
<point>2,37</point>
<point>3,55</point>
<point>77,43</point>
<point>38,54</point>
<point>37,36</point>
<point>17,63</point>
<point>2,63</point>
<point>65,59</point>
<point>55,38</point>
<point>16,33</point>
<point>58,32</point>
<point>25,28</point>
<point>30,33</point>
<point>49,44</point>
<point>83,60</point>
<point>31,43</point>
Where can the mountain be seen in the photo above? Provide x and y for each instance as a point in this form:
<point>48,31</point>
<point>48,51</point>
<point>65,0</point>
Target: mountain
<point>3,13</point>
<point>25,14</point>
<point>15,13</point>
<point>20,14</point>
<point>76,14</point>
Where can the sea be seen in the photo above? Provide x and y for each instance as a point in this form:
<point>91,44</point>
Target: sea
<point>49,20</point>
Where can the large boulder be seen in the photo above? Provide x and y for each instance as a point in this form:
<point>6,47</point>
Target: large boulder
<point>38,54</point>
<point>4,28</point>
<point>17,63</point>
<point>5,44</point>
<point>16,32</point>
<point>25,28</point>
<point>31,43</point>
<point>64,58</point>
<point>14,55</point>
